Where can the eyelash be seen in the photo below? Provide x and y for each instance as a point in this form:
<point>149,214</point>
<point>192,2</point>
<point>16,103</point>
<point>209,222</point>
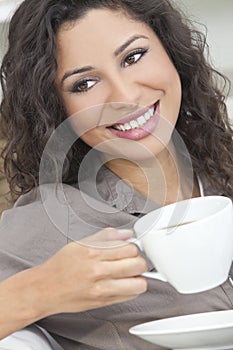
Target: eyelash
<point>76,86</point>
<point>142,52</point>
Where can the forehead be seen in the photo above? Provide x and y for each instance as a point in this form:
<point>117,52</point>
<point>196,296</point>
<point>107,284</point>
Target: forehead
<point>98,30</point>
<point>98,21</point>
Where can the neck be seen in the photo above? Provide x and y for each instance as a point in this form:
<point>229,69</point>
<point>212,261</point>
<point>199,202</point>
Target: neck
<point>162,179</point>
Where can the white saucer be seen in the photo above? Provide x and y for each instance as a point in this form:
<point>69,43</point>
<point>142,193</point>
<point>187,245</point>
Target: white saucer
<point>204,331</point>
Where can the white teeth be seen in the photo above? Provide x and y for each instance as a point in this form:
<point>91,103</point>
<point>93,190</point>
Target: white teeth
<point>147,116</point>
<point>136,123</point>
<point>127,126</point>
<point>141,120</point>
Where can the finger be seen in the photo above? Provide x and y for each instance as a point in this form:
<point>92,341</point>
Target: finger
<point>103,244</point>
<point>128,250</point>
<point>123,288</point>
<point>108,234</point>
<point>110,250</point>
<point>118,252</point>
<point>130,267</point>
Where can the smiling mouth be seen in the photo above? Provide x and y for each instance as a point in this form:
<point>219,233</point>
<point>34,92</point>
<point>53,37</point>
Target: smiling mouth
<point>137,122</point>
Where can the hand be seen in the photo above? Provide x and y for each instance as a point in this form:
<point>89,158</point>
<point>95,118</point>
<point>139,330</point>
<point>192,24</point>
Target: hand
<point>100,270</point>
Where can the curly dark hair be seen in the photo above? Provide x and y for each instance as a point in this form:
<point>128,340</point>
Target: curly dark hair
<point>31,108</point>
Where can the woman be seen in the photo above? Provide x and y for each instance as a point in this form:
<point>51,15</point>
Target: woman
<point>131,80</point>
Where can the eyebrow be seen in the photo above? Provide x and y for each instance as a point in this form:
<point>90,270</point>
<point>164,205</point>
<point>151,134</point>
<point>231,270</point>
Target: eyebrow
<point>116,53</point>
<point>128,42</point>
<point>76,71</point>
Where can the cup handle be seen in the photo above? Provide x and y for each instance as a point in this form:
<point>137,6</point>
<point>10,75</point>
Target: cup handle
<point>148,274</point>
<point>154,275</point>
<point>136,242</point>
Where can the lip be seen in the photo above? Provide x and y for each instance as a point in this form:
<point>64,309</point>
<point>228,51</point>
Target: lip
<point>138,133</point>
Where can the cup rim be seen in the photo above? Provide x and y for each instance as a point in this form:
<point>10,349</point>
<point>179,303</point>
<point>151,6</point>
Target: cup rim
<point>225,199</point>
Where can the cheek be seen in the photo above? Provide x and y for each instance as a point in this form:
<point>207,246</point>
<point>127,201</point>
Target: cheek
<point>168,80</point>
<point>82,116</point>
<point>173,96</point>
<point>71,105</point>
<point>86,123</point>
<point>163,75</point>
<point>77,103</point>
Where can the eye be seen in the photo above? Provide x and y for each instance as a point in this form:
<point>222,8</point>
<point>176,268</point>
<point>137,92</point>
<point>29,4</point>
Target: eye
<point>134,57</point>
<point>83,85</point>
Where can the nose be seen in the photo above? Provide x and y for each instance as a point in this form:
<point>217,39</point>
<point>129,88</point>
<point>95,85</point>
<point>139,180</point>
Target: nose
<point>123,92</point>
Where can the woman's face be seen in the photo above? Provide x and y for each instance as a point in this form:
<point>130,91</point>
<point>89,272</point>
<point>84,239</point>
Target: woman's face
<point>118,82</point>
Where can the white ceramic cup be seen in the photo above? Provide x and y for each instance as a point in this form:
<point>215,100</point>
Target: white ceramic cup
<point>190,243</point>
